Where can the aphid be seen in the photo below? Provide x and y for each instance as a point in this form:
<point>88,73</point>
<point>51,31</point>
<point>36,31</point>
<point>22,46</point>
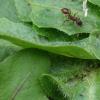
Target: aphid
<point>67,13</point>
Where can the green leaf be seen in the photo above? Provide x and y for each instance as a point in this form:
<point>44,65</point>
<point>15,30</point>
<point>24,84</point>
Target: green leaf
<point>51,88</point>
<point>53,35</point>
<point>8,10</point>
<point>96,2</point>
<point>19,75</point>
<point>23,35</point>
<point>23,10</point>
<point>7,49</point>
<point>16,32</point>
<point>74,79</point>
<point>48,14</point>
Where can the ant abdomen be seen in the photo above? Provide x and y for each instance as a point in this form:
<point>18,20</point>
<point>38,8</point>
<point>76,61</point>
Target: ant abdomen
<point>79,22</point>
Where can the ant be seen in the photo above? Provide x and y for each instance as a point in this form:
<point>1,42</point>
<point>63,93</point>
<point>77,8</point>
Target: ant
<point>67,13</point>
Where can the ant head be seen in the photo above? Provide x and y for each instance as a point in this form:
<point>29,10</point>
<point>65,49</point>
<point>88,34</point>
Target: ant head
<point>65,11</point>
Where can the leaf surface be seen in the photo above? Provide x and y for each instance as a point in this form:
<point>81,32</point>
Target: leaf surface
<point>47,14</point>
<point>8,10</point>
<point>7,49</point>
<point>23,35</point>
<point>73,79</point>
<point>23,10</point>
<point>96,2</point>
<point>19,75</point>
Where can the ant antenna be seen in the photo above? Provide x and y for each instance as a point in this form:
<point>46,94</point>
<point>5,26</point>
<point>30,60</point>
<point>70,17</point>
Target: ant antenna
<point>85,9</point>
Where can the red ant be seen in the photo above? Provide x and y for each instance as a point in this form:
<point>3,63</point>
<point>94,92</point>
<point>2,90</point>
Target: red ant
<point>67,13</point>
